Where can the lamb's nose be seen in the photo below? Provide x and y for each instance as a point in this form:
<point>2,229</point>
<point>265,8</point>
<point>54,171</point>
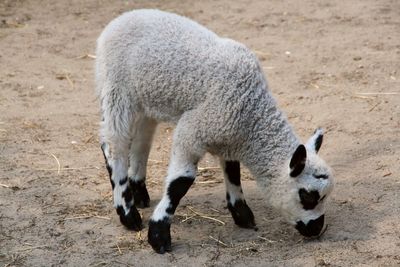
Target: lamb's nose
<point>312,228</point>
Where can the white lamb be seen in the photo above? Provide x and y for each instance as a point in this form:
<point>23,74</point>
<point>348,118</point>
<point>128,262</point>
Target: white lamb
<point>154,66</point>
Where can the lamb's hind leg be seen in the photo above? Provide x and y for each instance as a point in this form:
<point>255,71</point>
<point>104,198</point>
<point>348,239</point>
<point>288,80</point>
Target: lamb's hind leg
<point>115,148</point>
<point>142,137</point>
<point>241,213</point>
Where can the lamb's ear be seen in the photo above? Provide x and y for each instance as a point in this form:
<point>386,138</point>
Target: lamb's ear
<point>315,141</point>
<point>298,161</point>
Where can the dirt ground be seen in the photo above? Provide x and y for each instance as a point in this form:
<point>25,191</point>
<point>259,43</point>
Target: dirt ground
<point>322,58</point>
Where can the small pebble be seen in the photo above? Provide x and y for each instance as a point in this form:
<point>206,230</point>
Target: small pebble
<point>89,232</point>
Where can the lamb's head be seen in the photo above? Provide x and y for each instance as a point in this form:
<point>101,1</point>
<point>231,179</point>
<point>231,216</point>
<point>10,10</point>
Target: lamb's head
<point>304,186</point>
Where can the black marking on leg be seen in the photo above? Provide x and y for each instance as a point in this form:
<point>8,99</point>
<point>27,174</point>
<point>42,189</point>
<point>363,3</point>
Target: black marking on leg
<point>140,194</point>
<point>112,184</point>
<point>232,169</point>
<point>242,214</point>
<point>309,199</point>
<point>106,160</point>
<point>176,190</point>
<point>132,220</point>
<point>109,169</point>
<point>128,196</point>
<point>120,210</point>
<point>159,235</point>
<point>123,181</point>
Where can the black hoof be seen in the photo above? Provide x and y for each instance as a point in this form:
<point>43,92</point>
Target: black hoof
<point>140,194</point>
<point>242,215</point>
<point>159,236</point>
<point>132,220</point>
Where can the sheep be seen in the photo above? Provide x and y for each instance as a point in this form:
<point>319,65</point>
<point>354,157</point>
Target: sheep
<point>153,66</point>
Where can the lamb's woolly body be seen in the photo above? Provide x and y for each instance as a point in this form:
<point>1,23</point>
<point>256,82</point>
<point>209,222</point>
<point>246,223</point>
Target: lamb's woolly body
<point>216,82</point>
<point>155,66</point>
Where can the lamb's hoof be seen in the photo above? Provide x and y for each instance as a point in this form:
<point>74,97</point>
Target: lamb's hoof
<point>132,220</point>
<point>159,236</point>
<point>140,194</point>
<point>242,215</point>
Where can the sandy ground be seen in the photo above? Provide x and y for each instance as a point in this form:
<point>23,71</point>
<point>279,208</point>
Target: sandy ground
<point>318,55</point>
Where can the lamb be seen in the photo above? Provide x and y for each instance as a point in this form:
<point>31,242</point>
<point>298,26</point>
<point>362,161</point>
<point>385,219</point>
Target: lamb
<point>154,66</point>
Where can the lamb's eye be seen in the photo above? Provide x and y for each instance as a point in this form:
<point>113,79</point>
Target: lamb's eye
<point>321,176</point>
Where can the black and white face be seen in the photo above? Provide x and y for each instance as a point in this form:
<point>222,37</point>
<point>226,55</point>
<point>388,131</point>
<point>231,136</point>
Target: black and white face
<point>311,183</point>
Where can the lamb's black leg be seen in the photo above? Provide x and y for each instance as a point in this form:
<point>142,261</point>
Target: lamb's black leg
<point>241,213</point>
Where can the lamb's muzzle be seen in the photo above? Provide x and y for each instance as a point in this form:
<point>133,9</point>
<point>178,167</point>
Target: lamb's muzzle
<point>313,228</point>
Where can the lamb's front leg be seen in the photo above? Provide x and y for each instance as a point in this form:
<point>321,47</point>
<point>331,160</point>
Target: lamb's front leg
<point>241,213</point>
<point>181,175</point>
<point>186,152</point>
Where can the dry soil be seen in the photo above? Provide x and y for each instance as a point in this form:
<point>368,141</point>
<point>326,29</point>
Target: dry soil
<point>334,64</point>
